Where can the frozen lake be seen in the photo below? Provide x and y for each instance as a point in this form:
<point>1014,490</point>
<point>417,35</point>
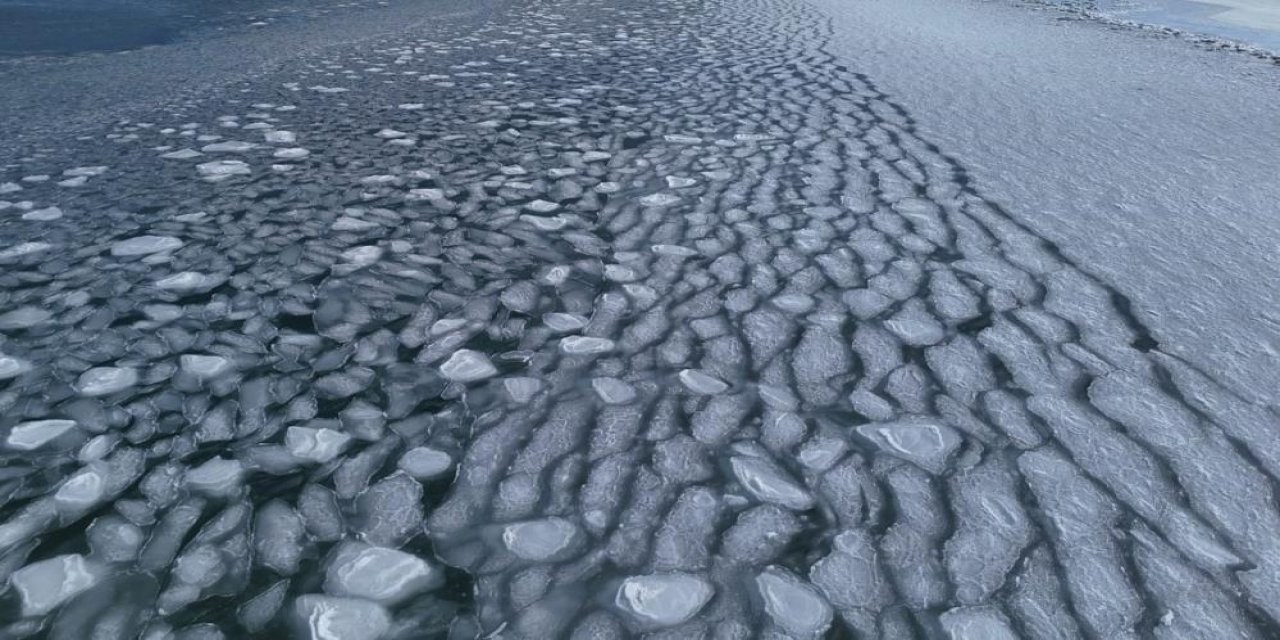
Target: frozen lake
<point>1255,22</point>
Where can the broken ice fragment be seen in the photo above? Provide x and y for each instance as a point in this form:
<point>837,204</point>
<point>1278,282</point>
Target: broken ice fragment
<point>564,322</point>
<point>217,477</point>
<point>702,383</point>
<point>291,153</point>
<point>466,365</point>
<point>144,245</point>
<point>613,390</point>
<point>48,214</point>
<point>425,463</point>
<point>223,168</point>
<point>24,318</point>
<point>795,606</point>
<point>102,381</point>
<point>316,445</point>
<point>190,281</point>
<point>11,367</point>
<point>27,436</point>
<point>329,618</point>
<point>769,483</point>
<point>385,576</point>
<point>280,137</point>
<point>542,206</point>
<point>581,345</point>
<point>24,249</point>
<point>659,200</point>
<point>229,146</point>
<point>43,586</point>
<point>673,250</point>
<point>182,154</point>
<point>390,512</point>
<point>522,389</point>
<point>925,443</point>
<point>540,540</point>
<point>664,599</point>
<point>204,366</point>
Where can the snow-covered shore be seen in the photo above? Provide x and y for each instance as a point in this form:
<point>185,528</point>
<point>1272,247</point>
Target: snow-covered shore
<point>1147,158</point>
<point>1250,23</point>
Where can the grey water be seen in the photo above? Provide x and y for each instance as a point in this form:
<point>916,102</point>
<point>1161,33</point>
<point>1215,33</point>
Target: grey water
<point>62,27</point>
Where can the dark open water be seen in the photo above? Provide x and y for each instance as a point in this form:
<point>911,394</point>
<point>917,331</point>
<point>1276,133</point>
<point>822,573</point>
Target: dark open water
<point>54,27</point>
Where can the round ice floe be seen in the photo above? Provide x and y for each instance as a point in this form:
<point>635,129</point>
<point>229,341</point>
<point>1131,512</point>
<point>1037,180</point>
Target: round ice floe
<point>203,366</point>
<point>48,214</point>
<point>466,365</point>
<point>585,345</point>
<point>328,618</point>
<point>145,245</point>
<point>793,605</point>
<point>43,586</point>
<point>702,383</point>
<point>664,599</point>
<point>316,445</point>
<point>385,576</point>
<point>425,463</point>
<point>101,381</point>
<point>24,318</point>
<point>11,367</point>
<point>28,436</point>
<point>540,540</point>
